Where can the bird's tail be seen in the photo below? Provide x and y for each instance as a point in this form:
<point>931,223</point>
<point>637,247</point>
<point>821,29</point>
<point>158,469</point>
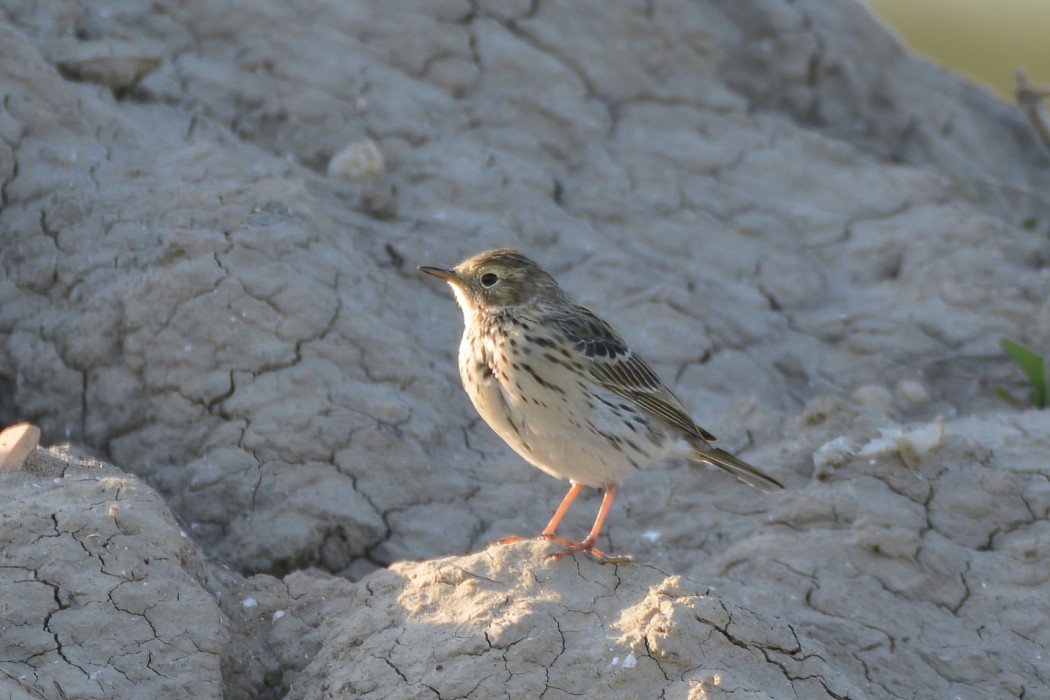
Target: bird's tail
<point>752,476</point>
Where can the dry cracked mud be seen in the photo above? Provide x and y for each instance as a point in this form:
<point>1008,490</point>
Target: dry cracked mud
<point>817,239</point>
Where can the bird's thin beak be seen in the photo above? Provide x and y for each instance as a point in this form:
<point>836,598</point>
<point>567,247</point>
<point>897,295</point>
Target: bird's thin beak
<point>440,273</point>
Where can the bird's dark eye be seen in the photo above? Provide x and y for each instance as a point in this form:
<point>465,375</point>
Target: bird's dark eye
<point>488,279</point>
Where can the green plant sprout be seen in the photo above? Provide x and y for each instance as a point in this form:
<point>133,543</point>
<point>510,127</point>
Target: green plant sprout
<point>1032,365</point>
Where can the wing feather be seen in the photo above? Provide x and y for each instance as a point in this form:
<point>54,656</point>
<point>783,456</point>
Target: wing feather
<point>614,367</point>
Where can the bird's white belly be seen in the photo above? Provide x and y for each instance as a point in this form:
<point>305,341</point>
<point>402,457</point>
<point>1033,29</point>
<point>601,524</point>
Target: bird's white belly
<point>560,431</point>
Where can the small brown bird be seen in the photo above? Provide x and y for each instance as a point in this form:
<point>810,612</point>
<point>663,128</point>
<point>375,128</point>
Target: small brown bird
<point>562,388</point>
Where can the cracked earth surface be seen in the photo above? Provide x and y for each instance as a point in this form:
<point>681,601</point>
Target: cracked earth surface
<point>815,238</point>
<point>101,596</point>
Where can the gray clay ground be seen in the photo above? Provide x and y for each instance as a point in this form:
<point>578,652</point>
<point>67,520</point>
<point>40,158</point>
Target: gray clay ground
<point>815,238</point>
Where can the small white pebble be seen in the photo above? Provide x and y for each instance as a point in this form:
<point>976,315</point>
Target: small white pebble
<point>277,615</point>
<point>629,661</point>
<point>182,533</point>
<point>912,391</point>
<point>615,661</point>
<point>359,160</point>
<point>249,602</point>
<point>651,535</point>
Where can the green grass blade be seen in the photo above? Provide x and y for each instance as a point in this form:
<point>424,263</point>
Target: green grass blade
<point>1032,365</point>
<point>1005,395</point>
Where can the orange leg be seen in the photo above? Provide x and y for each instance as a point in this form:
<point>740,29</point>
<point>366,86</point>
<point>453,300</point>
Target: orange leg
<point>587,545</point>
<point>548,532</point>
<point>562,509</point>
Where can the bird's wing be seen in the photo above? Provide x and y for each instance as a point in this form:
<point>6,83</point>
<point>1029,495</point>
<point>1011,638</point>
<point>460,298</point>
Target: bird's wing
<point>614,367</point>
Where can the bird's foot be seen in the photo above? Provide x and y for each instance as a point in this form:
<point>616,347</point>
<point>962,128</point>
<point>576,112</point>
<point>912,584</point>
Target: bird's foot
<point>555,538</point>
<point>573,548</point>
<point>587,546</point>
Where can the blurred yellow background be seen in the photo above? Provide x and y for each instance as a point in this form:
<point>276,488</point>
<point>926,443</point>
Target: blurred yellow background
<point>982,39</point>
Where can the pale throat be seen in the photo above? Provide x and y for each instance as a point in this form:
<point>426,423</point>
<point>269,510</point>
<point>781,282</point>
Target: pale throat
<point>464,302</point>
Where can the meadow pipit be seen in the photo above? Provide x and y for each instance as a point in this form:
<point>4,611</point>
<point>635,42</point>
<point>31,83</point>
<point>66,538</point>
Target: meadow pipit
<point>562,388</point>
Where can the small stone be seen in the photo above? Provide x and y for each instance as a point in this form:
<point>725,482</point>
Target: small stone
<point>359,160</point>
<point>119,65</point>
<point>912,391</point>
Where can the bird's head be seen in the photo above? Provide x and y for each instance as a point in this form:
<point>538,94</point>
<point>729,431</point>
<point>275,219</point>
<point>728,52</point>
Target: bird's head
<point>498,279</point>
